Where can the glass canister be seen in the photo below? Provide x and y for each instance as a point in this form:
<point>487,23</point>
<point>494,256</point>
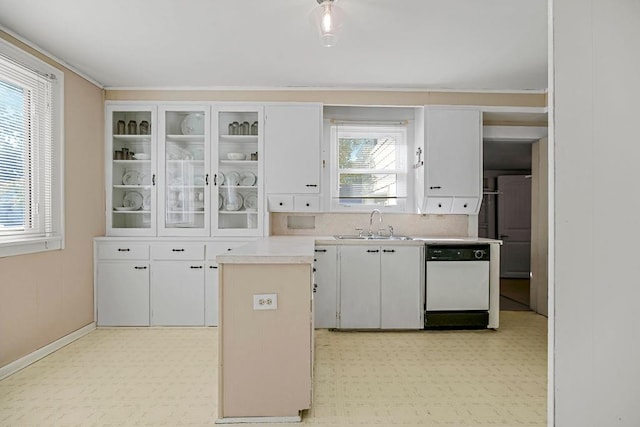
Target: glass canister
<point>254,128</point>
<point>132,128</point>
<point>246,128</point>
<point>120,127</point>
<point>144,127</point>
<point>235,128</point>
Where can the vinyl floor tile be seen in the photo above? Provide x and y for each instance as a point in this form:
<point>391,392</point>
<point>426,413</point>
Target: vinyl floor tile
<point>168,377</point>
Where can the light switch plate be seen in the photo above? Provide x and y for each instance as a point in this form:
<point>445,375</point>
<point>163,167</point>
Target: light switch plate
<point>265,301</point>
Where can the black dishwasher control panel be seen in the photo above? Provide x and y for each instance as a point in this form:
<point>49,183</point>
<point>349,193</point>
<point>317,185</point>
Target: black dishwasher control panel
<point>457,252</point>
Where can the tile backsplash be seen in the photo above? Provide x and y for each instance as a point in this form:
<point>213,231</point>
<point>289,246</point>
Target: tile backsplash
<point>326,224</point>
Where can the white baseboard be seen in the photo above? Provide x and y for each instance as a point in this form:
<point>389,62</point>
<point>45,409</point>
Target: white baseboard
<point>242,420</point>
<point>30,358</point>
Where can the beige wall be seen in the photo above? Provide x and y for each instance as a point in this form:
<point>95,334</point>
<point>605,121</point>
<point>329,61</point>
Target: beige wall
<point>336,97</point>
<point>47,295</point>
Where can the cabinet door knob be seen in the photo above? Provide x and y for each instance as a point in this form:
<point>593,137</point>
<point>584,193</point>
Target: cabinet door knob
<point>144,267</point>
<point>280,203</point>
<point>321,250</point>
<point>213,266</point>
<point>308,205</point>
<point>215,179</point>
<point>439,205</point>
<point>373,251</point>
<point>311,185</point>
<point>153,179</point>
<point>465,205</point>
<point>206,179</point>
<point>435,187</point>
<point>196,266</point>
<point>123,249</point>
<point>177,250</point>
<point>388,250</point>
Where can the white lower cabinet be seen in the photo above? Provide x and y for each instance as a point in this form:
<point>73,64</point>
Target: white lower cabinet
<point>211,294</point>
<point>401,287</point>
<point>122,293</point>
<point>158,282</point>
<point>177,293</point>
<point>325,287</point>
<point>381,287</point>
<point>359,287</point>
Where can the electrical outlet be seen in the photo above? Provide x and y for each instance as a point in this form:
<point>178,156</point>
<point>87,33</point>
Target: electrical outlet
<point>265,301</point>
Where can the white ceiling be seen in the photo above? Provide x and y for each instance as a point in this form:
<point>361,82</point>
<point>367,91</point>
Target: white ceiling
<point>403,44</point>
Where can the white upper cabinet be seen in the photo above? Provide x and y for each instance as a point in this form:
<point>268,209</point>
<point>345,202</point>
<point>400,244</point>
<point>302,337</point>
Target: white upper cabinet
<point>292,135</point>
<point>451,179</point>
<point>184,169</point>
<point>183,178</point>
<point>238,180</point>
<point>131,151</point>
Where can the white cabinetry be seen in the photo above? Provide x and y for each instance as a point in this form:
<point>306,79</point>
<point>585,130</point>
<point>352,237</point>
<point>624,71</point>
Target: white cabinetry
<point>451,179</point>
<point>177,284</point>
<point>292,168</point>
<point>293,135</point>
<point>131,151</point>
<point>402,290</point>
<point>158,282</point>
<point>381,287</point>
<point>122,284</point>
<point>211,294</point>
<point>325,287</point>
<point>238,195</point>
<point>177,293</point>
<point>184,170</point>
<point>202,162</point>
<point>359,287</point>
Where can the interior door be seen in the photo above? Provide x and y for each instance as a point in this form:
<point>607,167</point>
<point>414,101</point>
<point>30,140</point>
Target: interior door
<point>514,225</point>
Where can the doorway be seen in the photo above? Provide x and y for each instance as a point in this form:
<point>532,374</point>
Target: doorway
<point>505,214</point>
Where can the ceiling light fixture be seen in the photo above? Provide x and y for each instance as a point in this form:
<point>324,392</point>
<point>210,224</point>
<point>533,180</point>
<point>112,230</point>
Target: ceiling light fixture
<point>329,19</point>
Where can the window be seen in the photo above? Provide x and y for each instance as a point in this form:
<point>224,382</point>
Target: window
<point>30,154</point>
<point>369,167</point>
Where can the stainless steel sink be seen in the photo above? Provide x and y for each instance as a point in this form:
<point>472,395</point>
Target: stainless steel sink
<point>374,237</point>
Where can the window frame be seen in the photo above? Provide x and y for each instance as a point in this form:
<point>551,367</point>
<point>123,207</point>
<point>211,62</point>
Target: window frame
<point>402,170</point>
<point>18,244</point>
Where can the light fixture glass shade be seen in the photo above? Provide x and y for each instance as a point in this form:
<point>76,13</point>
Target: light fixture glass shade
<point>329,19</point>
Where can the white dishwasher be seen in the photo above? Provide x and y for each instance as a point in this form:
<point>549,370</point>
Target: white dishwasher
<point>457,286</point>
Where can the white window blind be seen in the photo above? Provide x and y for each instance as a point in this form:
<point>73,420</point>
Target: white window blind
<point>30,202</point>
<point>370,165</point>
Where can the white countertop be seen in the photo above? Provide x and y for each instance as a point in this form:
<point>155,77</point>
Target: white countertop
<point>300,249</point>
<point>272,250</point>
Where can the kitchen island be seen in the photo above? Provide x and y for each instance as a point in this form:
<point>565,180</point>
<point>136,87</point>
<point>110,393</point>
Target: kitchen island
<point>265,335</point>
<point>265,340</point>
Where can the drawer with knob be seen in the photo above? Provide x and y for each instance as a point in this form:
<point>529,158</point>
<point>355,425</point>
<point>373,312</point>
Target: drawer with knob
<point>280,203</point>
<point>177,251</point>
<point>306,203</point>
<point>465,205</point>
<point>439,205</point>
<point>123,251</point>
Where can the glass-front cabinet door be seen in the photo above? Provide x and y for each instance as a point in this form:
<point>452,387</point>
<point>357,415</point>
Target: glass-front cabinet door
<point>131,173</point>
<point>184,170</point>
<point>238,195</point>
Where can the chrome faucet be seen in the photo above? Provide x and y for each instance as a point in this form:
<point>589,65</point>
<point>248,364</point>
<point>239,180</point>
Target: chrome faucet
<point>371,220</point>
